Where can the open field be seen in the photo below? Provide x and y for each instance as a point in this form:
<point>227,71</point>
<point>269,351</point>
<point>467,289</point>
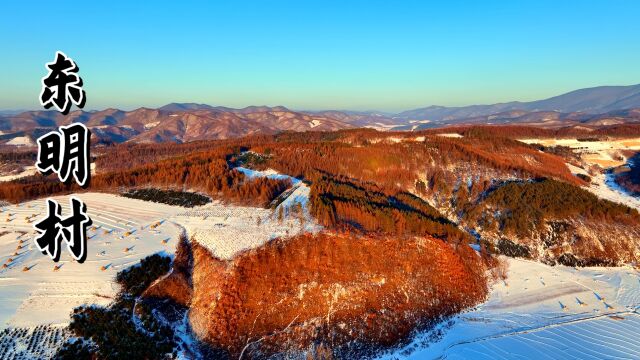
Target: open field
<point>226,229</point>
<point>552,312</point>
<point>38,291</point>
<point>605,153</point>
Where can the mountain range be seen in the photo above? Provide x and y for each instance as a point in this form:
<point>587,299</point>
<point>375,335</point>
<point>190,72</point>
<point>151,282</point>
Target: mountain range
<point>183,122</point>
<point>595,100</point>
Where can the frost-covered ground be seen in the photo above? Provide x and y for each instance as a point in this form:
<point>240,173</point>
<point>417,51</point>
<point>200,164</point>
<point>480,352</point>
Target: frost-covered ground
<point>227,230</point>
<point>605,187</point>
<point>38,295</point>
<point>27,171</point>
<point>605,153</point>
<point>21,141</point>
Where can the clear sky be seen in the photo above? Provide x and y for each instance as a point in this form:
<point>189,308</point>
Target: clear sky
<point>385,55</point>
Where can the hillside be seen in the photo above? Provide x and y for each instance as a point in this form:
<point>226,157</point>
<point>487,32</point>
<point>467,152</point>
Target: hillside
<point>172,123</point>
<point>540,119</point>
<point>595,100</point>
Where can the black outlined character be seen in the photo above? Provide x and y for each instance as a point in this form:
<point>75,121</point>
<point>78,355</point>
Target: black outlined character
<point>75,151</point>
<point>49,152</point>
<point>65,153</point>
<point>78,222</point>
<point>72,229</point>
<point>62,87</point>
<point>49,229</point>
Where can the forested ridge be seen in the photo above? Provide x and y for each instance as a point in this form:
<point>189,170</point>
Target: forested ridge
<point>360,154</point>
<point>345,205</point>
<point>353,294</point>
<point>524,206</point>
<point>403,184</point>
<point>206,171</point>
<point>520,131</point>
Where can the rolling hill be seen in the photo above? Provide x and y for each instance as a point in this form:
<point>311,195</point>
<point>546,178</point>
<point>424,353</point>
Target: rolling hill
<point>171,123</point>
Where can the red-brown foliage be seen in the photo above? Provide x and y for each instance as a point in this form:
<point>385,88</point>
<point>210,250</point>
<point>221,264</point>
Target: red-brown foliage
<point>346,205</point>
<point>207,172</point>
<point>300,290</point>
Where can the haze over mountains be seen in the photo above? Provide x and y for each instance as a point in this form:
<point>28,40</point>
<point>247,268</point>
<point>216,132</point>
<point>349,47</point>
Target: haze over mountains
<point>183,122</point>
<point>595,100</point>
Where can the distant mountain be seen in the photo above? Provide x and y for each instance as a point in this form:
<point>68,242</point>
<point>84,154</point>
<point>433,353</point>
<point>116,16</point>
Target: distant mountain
<point>595,100</point>
<point>11,112</point>
<point>372,119</point>
<point>174,122</point>
<point>546,119</point>
<point>182,122</point>
<point>185,107</point>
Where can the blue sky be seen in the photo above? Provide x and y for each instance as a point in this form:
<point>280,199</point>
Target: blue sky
<point>385,55</point>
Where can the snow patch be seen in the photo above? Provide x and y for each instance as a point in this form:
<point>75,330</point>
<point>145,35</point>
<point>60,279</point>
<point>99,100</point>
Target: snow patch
<point>27,171</point>
<point>152,124</point>
<point>21,141</point>
<point>450,135</point>
<point>314,123</point>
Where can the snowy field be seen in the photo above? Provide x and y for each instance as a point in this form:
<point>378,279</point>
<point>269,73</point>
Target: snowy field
<point>27,171</point>
<point>606,153</point>
<point>227,230</point>
<point>543,312</point>
<point>36,291</point>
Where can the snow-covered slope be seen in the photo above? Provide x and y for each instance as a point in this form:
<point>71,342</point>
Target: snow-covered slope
<point>543,312</point>
<point>226,230</point>
<point>27,171</point>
